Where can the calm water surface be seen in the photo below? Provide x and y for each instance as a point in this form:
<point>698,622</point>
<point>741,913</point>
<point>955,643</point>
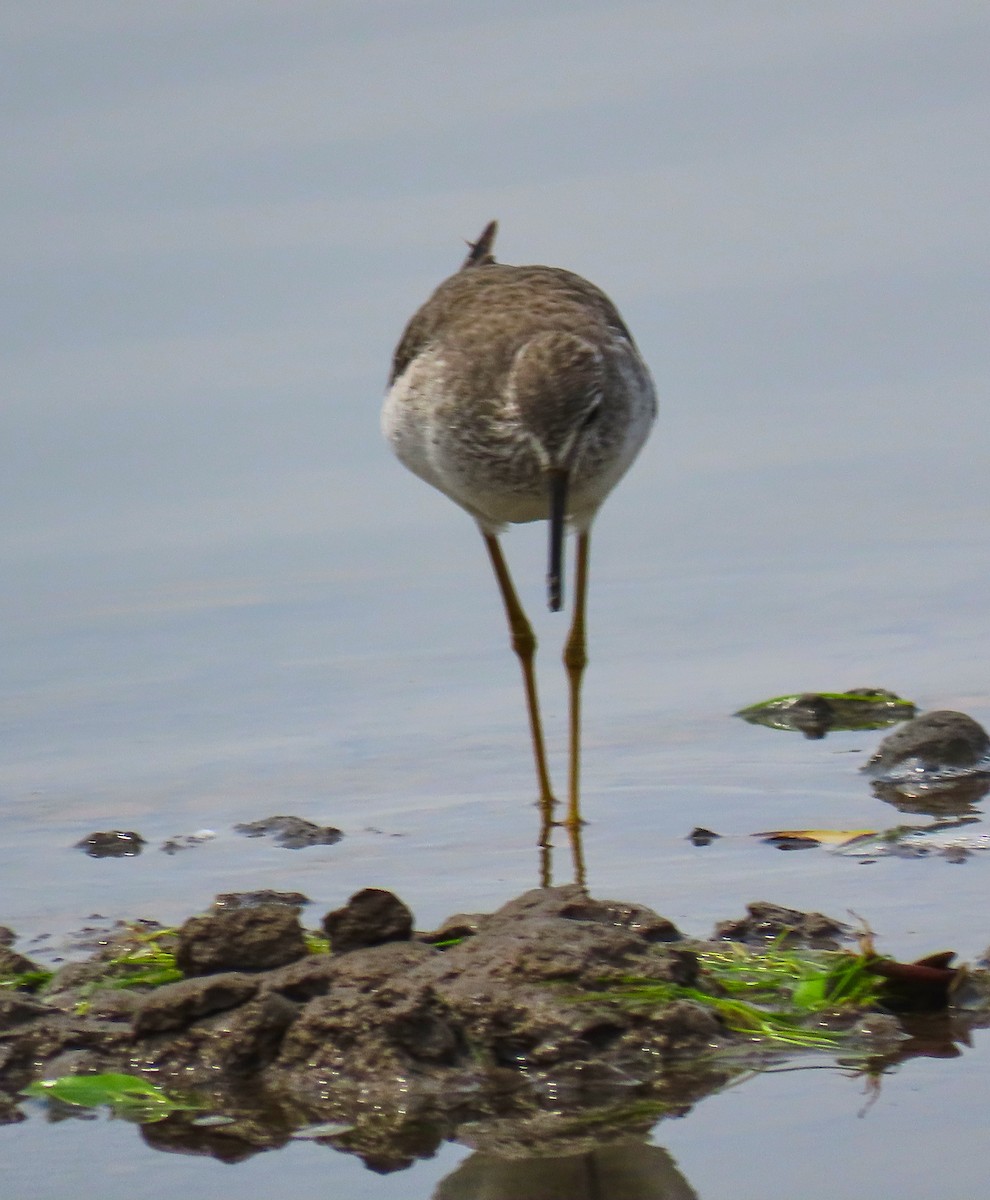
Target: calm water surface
<point>222,600</point>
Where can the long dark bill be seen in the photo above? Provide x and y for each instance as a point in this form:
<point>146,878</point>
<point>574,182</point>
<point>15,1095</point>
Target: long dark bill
<point>558,481</point>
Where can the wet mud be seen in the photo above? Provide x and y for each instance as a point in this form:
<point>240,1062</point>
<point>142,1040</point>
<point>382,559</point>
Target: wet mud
<point>497,1029</point>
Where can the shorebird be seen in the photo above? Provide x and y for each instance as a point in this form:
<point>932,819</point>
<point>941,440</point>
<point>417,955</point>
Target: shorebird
<point>519,393</point>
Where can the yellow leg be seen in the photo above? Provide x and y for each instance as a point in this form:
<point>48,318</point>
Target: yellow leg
<point>575,660</point>
<point>524,644</point>
<point>577,857</point>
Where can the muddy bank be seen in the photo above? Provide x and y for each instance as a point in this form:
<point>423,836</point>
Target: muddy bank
<point>503,1029</point>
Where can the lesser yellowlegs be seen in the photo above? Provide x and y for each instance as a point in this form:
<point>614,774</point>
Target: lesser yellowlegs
<point>519,393</point>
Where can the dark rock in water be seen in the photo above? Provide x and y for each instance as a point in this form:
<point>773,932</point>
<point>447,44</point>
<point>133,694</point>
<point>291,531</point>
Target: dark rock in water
<point>699,836</point>
<point>247,939</point>
<point>228,901</point>
<point>767,922</point>
<point>186,841</point>
<point>112,843</point>
<point>371,917</point>
<point>293,833</point>
<point>935,740</point>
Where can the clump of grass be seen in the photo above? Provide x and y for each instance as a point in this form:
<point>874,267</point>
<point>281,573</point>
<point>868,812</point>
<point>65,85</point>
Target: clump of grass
<point>26,981</point>
<point>768,995</point>
<point>805,981</point>
<point>149,964</point>
<point>450,942</point>
<point>316,943</point>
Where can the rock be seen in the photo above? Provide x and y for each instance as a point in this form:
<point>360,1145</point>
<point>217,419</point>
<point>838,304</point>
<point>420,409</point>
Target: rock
<point>513,995</point>
<point>371,917</point>
<point>767,922</point>
<point>454,929</point>
<point>373,1019</point>
<point>115,1004</point>
<point>248,1038</point>
<point>112,843</point>
<point>936,740</point>
<point>186,841</point>
<point>293,833</point>
<point>175,1005</point>
<point>307,977</point>
<point>543,1020</point>
<point>248,939</point>
<point>16,1008</point>
<point>227,901</point>
<point>12,963</point>
<point>700,836</point>
<point>635,917</point>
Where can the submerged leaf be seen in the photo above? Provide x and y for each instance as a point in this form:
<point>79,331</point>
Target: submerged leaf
<point>127,1094</point>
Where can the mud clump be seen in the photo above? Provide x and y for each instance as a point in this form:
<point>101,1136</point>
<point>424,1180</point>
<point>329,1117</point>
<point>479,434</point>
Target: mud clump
<point>371,917</point>
<point>291,833</point>
<point>765,923</point>
<point>258,939</point>
<point>936,741</point>
<point>403,1038</point>
<point>520,990</point>
<point>228,901</point>
<point>112,843</point>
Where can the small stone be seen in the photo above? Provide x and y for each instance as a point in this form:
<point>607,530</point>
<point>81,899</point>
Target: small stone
<point>371,917</point>
<point>112,843</point>
<point>936,740</point>
<point>229,901</point>
<point>634,917</point>
<point>247,939</point>
<point>292,833</point>
<point>766,922</point>
<point>700,836</point>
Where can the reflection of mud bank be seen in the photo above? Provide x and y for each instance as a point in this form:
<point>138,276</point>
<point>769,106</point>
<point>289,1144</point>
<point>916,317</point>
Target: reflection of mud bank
<point>497,1030</point>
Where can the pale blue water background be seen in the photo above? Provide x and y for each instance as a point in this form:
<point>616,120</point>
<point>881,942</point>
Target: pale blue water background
<point>222,599</point>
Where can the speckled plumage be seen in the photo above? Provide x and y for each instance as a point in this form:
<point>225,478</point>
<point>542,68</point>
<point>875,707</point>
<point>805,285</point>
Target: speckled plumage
<point>506,372</point>
<point>519,393</point>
